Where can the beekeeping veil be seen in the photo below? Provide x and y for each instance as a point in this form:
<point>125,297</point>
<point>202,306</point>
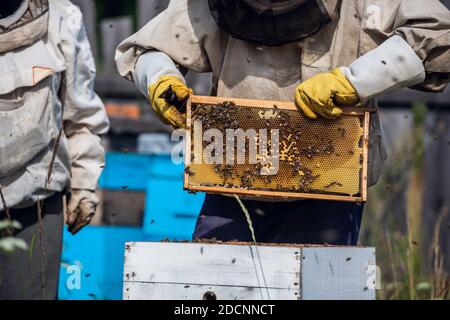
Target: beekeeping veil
<point>22,22</point>
<point>270,22</point>
<point>8,8</point>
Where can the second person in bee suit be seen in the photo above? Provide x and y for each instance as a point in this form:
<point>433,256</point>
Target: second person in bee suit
<point>51,122</point>
<point>320,53</point>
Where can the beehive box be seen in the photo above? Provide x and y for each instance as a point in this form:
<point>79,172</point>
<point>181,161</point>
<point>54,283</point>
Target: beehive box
<point>316,159</point>
<point>208,271</point>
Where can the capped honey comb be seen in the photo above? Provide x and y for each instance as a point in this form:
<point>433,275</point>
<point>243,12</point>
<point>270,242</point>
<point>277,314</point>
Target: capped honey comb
<point>316,159</point>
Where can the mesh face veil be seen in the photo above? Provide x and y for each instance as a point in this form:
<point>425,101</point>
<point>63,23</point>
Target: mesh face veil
<point>9,7</point>
<point>34,9</point>
<point>276,6</point>
<point>31,18</point>
<point>271,23</point>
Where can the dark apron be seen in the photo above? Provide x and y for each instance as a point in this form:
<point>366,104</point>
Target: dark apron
<point>21,276</point>
<point>300,222</point>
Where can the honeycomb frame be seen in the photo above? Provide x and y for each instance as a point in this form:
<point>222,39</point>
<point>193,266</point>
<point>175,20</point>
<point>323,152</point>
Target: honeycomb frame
<point>353,118</point>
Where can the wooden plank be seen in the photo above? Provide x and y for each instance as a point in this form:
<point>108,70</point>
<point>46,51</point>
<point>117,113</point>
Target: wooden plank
<point>269,104</point>
<point>365,157</point>
<point>188,142</point>
<point>270,194</point>
<point>436,198</point>
<point>408,97</point>
<point>114,86</point>
<point>170,291</point>
<point>89,11</point>
<point>113,31</point>
<point>122,126</point>
<point>337,273</point>
<point>123,208</point>
<point>212,265</point>
<point>147,10</point>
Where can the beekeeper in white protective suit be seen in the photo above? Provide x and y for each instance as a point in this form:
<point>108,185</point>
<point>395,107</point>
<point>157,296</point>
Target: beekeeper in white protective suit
<point>320,53</point>
<point>50,125</point>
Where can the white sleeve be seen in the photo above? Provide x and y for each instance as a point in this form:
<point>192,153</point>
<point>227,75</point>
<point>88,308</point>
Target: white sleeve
<point>392,66</point>
<point>85,118</point>
<point>150,67</point>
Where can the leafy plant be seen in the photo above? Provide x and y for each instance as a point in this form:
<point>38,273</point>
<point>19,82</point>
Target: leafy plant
<point>9,244</point>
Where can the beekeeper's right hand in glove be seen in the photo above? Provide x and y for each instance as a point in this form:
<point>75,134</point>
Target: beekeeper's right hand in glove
<point>157,77</point>
<point>167,96</point>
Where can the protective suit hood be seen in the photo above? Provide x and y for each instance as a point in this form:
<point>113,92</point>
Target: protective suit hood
<point>272,22</point>
<point>25,25</point>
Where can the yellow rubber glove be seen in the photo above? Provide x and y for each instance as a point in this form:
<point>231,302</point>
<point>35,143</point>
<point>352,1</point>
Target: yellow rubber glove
<point>324,93</point>
<point>169,113</point>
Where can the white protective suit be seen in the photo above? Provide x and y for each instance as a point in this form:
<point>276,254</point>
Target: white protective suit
<point>417,53</point>
<point>47,90</point>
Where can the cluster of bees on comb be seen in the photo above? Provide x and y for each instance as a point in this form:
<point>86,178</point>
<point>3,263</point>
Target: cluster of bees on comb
<point>292,146</point>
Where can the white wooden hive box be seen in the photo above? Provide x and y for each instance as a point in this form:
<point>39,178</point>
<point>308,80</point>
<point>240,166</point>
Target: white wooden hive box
<point>195,271</point>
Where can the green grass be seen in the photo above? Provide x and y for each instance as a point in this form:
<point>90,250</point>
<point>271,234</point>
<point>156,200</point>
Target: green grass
<point>393,224</point>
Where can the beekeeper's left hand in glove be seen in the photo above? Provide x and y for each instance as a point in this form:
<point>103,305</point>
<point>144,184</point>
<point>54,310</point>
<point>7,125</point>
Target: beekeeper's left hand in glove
<point>392,66</point>
<point>324,93</point>
<point>81,209</point>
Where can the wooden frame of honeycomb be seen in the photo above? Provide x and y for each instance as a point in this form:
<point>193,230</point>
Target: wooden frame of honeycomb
<point>318,159</point>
